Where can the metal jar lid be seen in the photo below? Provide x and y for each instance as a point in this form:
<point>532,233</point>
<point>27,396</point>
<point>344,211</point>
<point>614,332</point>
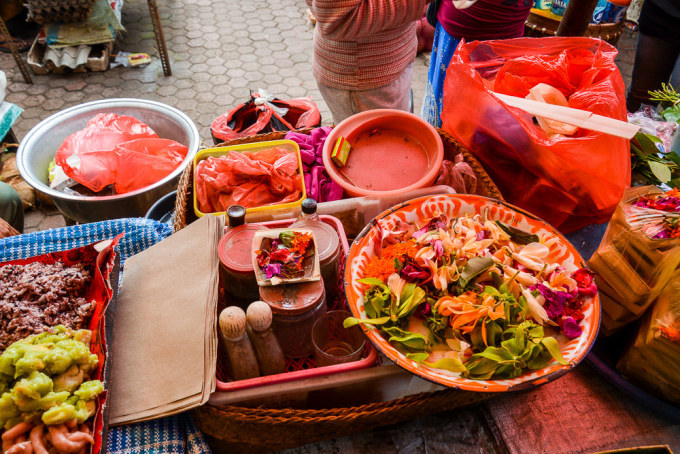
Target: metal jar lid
<point>327,239</point>
<point>293,299</point>
<point>234,249</point>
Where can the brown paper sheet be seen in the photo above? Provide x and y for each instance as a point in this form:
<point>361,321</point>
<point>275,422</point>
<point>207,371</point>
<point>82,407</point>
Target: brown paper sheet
<point>165,341</point>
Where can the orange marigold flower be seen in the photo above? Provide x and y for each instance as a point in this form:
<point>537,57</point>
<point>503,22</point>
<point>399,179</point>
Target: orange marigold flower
<point>672,193</point>
<point>672,333</point>
<point>300,242</point>
<point>408,248</point>
<point>379,269</point>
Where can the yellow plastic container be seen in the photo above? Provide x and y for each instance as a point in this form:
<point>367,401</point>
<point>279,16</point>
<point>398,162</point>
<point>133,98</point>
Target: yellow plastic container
<point>249,148</point>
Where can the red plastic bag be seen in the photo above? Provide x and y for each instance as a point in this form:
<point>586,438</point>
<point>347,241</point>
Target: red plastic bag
<point>118,150</point>
<point>253,179</point>
<point>265,113</point>
<point>570,181</point>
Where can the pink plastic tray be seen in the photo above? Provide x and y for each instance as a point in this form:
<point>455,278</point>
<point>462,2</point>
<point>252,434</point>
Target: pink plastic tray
<point>299,369</point>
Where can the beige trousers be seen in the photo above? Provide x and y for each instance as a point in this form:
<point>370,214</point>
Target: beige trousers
<point>345,103</point>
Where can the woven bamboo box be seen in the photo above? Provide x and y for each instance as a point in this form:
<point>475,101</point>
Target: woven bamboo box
<point>64,11</point>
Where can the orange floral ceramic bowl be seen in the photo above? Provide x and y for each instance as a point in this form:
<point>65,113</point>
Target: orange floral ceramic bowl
<point>453,205</point>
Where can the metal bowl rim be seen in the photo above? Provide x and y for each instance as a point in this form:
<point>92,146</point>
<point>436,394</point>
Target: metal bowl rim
<point>112,102</point>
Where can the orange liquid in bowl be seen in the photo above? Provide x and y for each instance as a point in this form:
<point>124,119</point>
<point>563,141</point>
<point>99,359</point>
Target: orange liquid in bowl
<point>385,159</point>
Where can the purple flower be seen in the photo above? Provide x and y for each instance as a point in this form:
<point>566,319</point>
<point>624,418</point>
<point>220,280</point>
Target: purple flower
<point>411,273</point>
<point>554,301</point>
<point>418,233</point>
<point>438,248</point>
<point>571,328</point>
<point>661,234</point>
<point>271,270</point>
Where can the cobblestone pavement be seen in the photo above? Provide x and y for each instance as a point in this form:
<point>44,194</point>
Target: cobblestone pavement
<point>219,50</point>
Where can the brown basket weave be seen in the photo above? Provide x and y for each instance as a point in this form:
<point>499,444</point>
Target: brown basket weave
<point>538,26</point>
<point>184,212</point>
<point>235,428</point>
<point>50,11</point>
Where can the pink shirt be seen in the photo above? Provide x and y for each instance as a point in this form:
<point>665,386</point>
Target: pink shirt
<point>486,19</point>
<point>363,44</point>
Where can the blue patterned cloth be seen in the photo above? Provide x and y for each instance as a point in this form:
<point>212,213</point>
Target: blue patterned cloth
<point>443,47</point>
<point>171,435</point>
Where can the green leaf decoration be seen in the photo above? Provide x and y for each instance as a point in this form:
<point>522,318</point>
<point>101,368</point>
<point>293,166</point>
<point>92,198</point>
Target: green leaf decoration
<point>414,341</point>
<point>517,235</point>
<point>550,343</point>
<point>416,297</point>
<point>495,354</point>
<point>474,267</point>
<point>511,346</point>
<point>371,281</point>
<point>418,357</point>
<point>674,157</point>
<point>351,321</point>
<point>492,291</point>
<point>539,358</point>
<point>480,368</point>
<point>671,114</point>
<point>450,364</point>
<point>661,171</point>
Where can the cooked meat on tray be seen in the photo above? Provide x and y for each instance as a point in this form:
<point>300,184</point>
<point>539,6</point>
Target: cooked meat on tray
<point>37,296</point>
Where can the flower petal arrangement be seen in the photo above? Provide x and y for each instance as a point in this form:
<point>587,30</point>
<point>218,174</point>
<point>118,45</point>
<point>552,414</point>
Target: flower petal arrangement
<point>471,293</point>
<point>659,214</point>
<point>285,256</point>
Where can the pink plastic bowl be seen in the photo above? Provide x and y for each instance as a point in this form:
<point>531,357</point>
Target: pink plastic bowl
<point>393,122</point>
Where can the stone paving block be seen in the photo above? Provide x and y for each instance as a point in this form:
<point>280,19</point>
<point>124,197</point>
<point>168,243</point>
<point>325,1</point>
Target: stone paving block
<point>52,221</point>
<point>32,220</point>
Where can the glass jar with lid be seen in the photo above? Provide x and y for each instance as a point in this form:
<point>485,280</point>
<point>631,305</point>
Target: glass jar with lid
<point>236,265</point>
<point>327,242</point>
<point>295,308</point>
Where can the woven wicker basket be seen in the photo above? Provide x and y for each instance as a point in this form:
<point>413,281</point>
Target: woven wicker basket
<point>233,428</point>
<point>50,11</point>
<point>184,212</point>
<point>538,26</point>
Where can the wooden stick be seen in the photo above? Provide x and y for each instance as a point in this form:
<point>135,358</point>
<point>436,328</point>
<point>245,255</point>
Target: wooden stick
<point>581,118</point>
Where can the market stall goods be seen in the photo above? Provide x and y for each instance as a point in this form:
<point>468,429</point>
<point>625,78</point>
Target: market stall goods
<point>283,256</point>
<point>457,292</point>
<point>114,153</point>
<point>652,359</point>
<point>47,392</point>
<point>37,296</point>
<point>258,176</point>
<point>569,180</point>
<point>639,254</point>
<point>58,361</point>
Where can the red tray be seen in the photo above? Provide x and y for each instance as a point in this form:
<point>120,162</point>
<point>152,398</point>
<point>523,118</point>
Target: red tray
<point>99,259</point>
<point>299,369</point>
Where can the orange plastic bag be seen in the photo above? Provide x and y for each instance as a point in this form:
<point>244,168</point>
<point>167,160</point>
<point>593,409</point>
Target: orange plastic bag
<point>570,181</point>
<point>264,113</point>
<point>258,178</point>
<point>118,150</point>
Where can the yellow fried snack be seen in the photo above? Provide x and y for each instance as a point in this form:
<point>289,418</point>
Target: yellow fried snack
<point>45,377</point>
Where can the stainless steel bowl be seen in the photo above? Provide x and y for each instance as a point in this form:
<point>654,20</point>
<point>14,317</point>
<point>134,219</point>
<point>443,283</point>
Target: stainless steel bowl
<point>41,143</point>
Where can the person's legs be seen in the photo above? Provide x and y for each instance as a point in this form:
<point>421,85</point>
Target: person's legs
<point>657,50</point>
<point>395,95</point>
<point>11,208</point>
<point>654,62</point>
<point>339,101</point>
